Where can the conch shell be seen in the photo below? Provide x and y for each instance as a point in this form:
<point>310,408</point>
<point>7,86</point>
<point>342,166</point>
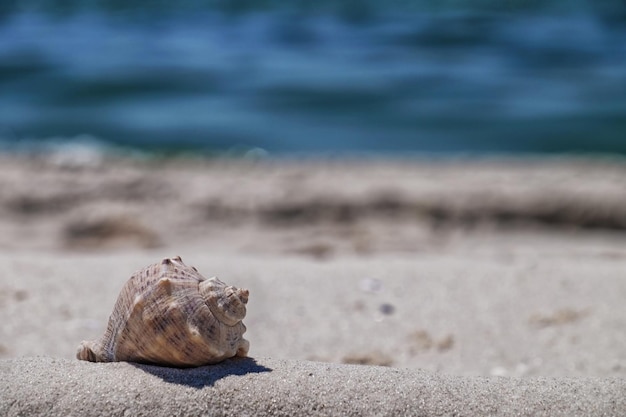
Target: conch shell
<point>168,314</point>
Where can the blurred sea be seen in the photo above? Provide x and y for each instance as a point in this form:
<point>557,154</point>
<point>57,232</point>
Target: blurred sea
<point>352,76</point>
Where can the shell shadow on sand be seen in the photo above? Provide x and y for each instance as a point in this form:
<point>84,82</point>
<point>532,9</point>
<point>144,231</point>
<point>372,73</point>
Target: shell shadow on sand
<point>203,376</point>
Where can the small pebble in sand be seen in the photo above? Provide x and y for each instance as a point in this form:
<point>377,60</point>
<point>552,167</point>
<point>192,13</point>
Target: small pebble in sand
<point>387,309</point>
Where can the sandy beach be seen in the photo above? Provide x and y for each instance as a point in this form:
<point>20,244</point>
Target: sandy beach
<point>377,287</point>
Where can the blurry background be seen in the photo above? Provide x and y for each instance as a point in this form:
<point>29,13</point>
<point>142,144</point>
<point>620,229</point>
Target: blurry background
<point>488,266</point>
<point>462,76</point>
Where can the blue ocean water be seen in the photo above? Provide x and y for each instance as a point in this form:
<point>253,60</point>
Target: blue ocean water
<point>332,77</point>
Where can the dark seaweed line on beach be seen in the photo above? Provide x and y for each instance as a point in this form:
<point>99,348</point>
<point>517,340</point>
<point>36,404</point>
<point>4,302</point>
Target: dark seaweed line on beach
<point>559,213</point>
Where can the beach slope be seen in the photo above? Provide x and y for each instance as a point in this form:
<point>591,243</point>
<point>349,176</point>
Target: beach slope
<point>47,386</point>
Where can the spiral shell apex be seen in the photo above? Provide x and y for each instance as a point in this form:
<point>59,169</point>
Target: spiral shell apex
<point>168,314</point>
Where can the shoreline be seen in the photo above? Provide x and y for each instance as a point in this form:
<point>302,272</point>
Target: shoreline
<point>111,204</point>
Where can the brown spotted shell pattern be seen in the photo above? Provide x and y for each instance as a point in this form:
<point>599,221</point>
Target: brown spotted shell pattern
<point>168,314</point>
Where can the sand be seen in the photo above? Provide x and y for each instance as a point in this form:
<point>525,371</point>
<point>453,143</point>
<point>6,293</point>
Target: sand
<point>47,386</point>
<point>490,287</point>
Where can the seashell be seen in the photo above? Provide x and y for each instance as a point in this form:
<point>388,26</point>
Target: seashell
<point>168,314</point>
